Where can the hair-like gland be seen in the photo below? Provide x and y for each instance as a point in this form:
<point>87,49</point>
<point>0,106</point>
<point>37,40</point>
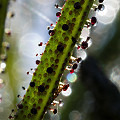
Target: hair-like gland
<point>3,11</point>
<point>54,60</point>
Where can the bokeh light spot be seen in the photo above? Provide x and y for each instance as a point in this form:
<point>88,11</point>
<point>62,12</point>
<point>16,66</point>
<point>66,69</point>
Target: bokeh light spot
<point>3,65</point>
<point>82,54</point>
<point>67,92</point>
<point>28,45</point>
<point>75,115</point>
<point>71,77</point>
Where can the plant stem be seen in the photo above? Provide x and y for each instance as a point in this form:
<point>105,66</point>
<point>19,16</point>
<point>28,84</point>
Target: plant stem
<point>46,78</point>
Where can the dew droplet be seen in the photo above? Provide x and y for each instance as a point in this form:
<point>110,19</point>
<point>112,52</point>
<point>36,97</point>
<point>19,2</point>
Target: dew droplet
<point>71,71</point>
<point>100,1</point>
<point>2,70</point>
<point>93,21</point>
<point>8,31</point>
<point>40,44</point>
<point>10,14</point>
<point>1,83</point>
<point>55,111</point>
<point>32,84</point>
<point>101,7</point>
<point>56,5</point>
<point>20,106</point>
<point>61,103</point>
<point>0,98</point>
<point>89,42</point>
<point>51,32</point>
<point>84,45</point>
<point>37,62</point>
<point>78,47</point>
<point>6,45</point>
<point>65,87</point>
<point>3,57</point>
<point>74,66</point>
<point>58,14</point>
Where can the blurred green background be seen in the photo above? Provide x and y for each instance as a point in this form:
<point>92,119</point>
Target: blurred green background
<point>29,27</point>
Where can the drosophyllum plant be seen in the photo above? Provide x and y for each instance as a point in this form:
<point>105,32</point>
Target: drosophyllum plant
<point>57,58</point>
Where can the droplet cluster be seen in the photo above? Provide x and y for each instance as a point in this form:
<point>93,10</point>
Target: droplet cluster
<point>45,85</point>
<point>4,45</point>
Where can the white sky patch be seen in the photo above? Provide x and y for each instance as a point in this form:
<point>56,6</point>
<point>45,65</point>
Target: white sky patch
<point>28,45</point>
<point>36,12</point>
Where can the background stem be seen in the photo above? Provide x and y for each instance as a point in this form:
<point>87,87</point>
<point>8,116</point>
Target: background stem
<point>3,11</point>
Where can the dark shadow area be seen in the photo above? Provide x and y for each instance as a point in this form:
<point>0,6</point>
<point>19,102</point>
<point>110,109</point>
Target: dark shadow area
<point>105,93</point>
